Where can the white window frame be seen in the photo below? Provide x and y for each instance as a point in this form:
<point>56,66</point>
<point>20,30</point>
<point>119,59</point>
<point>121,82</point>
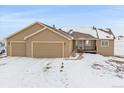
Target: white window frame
<point>87,42</point>
<point>105,41</point>
<point>79,43</point>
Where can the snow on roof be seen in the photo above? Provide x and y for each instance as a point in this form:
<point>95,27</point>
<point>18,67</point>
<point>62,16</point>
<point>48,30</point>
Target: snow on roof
<point>104,35</point>
<point>100,33</point>
<point>86,30</point>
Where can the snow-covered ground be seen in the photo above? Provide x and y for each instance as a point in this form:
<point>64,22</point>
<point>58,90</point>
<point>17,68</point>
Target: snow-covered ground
<point>87,70</point>
<point>90,71</point>
<point>119,48</point>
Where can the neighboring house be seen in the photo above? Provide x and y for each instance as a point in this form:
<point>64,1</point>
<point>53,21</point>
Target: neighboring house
<point>43,41</point>
<point>2,47</point>
<point>120,37</point>
<point>2,44</point>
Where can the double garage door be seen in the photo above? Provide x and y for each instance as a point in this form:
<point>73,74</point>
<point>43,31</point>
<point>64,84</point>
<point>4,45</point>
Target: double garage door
<point>47,49</point>
<point>39,49</point>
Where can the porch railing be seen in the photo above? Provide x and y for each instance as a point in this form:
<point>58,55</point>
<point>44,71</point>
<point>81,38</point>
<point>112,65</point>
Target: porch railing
<point>89,48</point>
<point>86,48</point>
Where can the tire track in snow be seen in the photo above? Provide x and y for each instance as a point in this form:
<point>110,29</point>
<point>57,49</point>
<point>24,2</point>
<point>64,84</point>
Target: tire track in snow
<point>65,79</point>
<point>32,72</point>
<point>55,74</point>
<point>51,74</point>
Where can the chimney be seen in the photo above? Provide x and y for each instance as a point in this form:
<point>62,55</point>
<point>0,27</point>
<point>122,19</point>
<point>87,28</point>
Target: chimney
<point>70,31</point>
<point>54,26</point>
<point>94,28</point>
<point>60,29</point>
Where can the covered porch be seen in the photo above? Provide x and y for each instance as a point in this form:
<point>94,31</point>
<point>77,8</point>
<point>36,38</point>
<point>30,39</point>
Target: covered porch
<point>85,46</point>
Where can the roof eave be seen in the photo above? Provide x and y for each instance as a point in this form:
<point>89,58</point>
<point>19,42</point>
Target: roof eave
<point>69,38</point>
<point>85,38</point>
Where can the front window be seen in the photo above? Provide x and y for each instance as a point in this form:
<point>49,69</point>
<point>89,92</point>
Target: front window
<point>104,43</point>
<point>90,43</point>
<point>79,44</point>
<point>87,42</point>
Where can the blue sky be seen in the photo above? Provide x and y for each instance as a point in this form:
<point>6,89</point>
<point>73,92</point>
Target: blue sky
<point>14,18</point>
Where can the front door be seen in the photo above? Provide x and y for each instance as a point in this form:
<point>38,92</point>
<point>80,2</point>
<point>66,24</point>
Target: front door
<point>80,45</point>
<point>83,45</point>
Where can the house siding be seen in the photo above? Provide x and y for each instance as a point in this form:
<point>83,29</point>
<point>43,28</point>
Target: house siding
<point>106,51</point>
<point>48,35</point>
<point>8,50</point>
<point>20,35</point>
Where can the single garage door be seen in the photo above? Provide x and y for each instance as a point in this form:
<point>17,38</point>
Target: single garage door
<point>47,50</point>
<point>18,49</point>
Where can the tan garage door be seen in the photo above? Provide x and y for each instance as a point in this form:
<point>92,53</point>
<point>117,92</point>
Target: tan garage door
<point>48,50</point>
<point>18,49</point>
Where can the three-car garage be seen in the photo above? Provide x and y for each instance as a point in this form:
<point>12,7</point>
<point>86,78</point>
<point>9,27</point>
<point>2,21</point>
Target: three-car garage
<point>40,41</point>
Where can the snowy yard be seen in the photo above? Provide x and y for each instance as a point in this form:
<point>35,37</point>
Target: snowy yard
<point>89,71</point>
<point>119,47</point>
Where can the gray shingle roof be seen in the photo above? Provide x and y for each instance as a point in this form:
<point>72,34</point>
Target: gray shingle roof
<point>79,35</point>
<point>60,31</point>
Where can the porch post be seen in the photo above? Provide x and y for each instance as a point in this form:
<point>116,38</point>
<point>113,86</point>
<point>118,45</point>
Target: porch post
<point>84,44</point>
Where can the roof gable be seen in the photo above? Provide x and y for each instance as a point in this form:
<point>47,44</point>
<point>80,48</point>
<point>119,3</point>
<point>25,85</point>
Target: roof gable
<point>60,31</point>
<point>62,34</point>
<point>22,30</point>
<point>88,32</point>
<point>25,38</point>
<point>36,32</point>
<point>105,34</point>
<point>83,30</point>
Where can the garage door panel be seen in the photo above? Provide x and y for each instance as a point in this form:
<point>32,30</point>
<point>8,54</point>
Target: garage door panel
<point>47,50</point>
<point>18,49</point>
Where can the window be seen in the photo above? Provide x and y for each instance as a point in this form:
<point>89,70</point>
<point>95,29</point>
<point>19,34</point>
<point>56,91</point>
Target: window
<point>87,42</point>
<point>79,43</point>
<point>90,43</point>
<point>104,43</point>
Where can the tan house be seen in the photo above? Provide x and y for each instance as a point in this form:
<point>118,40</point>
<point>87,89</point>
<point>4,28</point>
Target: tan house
<point>43,41</point>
